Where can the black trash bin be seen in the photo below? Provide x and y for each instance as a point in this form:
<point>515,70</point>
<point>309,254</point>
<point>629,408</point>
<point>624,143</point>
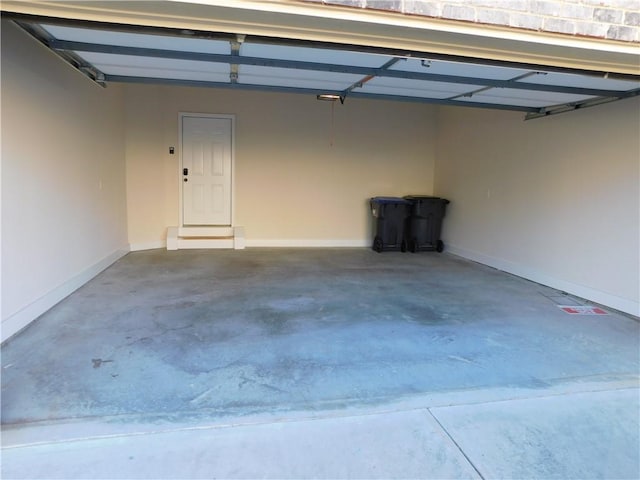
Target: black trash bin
<point>425,223</point>
<point>390,215</point>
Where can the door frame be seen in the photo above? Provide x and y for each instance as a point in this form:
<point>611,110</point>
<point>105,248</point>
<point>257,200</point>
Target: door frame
<point>213,229</point>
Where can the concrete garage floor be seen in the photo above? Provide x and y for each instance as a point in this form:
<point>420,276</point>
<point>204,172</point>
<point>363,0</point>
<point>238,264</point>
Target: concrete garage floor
<point>315,363</point>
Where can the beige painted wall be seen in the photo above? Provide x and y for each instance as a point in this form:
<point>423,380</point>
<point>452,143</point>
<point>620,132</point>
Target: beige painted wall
<point>301,174</point>
<point>63,178</point>
<point>555,200</point>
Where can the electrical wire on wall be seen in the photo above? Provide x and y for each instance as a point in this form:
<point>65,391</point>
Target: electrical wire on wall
<point>332,129</point>
<point>331,97</point>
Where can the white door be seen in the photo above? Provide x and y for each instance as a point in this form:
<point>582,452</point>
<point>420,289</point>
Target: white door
<point>206,170</point>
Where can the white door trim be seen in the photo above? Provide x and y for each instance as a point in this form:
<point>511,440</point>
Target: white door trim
<point>181,116</point>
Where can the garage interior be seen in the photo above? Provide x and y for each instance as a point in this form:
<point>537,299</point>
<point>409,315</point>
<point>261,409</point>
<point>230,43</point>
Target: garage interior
<point>316,361</point>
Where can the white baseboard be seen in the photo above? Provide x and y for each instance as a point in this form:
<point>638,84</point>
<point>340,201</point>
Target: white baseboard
<point>239,241</point>
<point>597,296</point>
<point>136,247</point>
<point>304,243</point>
<point>23,317</point>
<point>172,238</point>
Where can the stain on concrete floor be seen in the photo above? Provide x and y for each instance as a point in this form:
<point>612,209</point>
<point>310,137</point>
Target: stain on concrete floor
<point>217,333</point>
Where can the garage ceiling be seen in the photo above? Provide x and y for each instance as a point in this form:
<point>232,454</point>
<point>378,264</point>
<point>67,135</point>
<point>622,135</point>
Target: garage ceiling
<point>109,53</point>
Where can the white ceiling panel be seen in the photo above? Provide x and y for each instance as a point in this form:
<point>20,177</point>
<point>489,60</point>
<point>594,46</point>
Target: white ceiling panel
<point>336,70</point>
<point>285,77</point>
<point>526,98</point>
<point>488,99</point>
<point>139,40</point>
<point>582,81</point>
<point>400,92</point>
<point>471,70</point>
<point>166,74</point>
<point>158,67</point>
<point>414,88</point>
<point>318,55</point>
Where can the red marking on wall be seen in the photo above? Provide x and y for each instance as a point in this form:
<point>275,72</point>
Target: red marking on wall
<point>583,310</point>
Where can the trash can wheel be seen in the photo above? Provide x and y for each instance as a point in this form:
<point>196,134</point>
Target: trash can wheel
<point>413,245</point>
<point>377,244</point>
<point>440,246</point>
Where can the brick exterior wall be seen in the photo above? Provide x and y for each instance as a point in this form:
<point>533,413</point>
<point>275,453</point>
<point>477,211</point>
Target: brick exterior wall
<point>608,19</point>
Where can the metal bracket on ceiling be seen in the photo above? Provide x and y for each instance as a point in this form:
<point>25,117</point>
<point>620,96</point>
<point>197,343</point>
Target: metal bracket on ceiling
<point>235,53</point>
<point>233,74</point>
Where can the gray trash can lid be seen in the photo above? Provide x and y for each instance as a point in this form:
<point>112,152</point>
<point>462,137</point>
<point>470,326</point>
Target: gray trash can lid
<point>385,200</point>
